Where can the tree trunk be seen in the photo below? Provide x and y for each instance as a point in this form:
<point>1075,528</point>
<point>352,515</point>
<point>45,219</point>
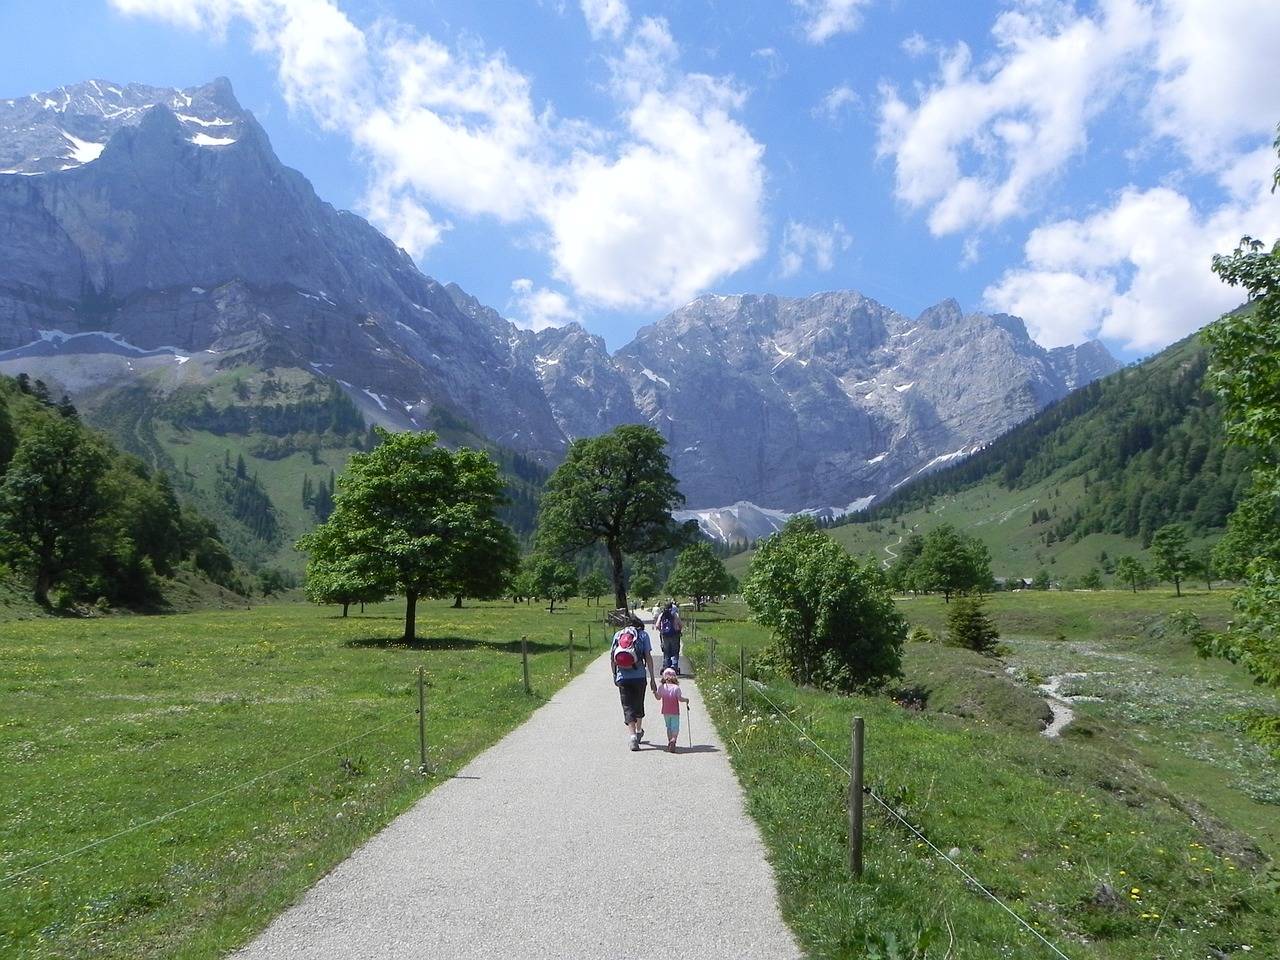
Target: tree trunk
<point>42,586</point>
<point>619,585</point>
<point>410,614</point>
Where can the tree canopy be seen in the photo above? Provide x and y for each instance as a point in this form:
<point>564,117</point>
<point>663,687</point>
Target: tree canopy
<point>1171,555</point>
<point>413,519</point>
<point>81,521</point>
<point>699,574</point>
<point>945,561</point>
<point>615,490</point>
<point>1245,372</point>
<point>833,618</point>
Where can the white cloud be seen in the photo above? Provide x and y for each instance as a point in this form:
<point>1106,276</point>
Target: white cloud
<point>1218,83</point>
<point>775,67</point>
<point>836,101</point>
<point>458,130</point>
<point>677,205</point>
<point>985,137</point>
<point>540,307</point>
<point>1137,273</point>
<point>676,209</point>
<point>915,45</point>
<point>606,17</point>
<point>403,219</point>
<point>803,244</point>
<point>823,19</point>
<point>648,214</point>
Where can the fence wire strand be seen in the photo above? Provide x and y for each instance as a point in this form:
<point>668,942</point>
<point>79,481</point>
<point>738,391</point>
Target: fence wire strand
<point>203,800</point>
<point>759,690</point>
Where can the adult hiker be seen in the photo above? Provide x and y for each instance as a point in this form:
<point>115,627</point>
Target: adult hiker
<point>669,630</point>
<point>631,659</point>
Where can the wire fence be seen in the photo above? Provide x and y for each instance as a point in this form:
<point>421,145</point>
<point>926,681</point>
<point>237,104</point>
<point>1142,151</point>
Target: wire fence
<point>94,844</point>
<point>418,716</point>
<point>738,672</point>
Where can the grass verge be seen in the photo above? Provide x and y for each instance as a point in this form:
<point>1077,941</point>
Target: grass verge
<point>174,782</point>
<point>1127,838</point>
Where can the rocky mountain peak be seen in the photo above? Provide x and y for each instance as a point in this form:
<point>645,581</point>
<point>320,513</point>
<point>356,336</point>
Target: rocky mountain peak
<point>162,220</point>
<point>70,126</point>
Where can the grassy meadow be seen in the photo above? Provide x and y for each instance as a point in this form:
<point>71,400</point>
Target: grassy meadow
<point>173,782</point>
<point>1150,828</point>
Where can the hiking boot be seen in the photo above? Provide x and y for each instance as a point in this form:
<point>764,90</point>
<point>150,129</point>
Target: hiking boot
<point>671,747</point>
<point>640,734</point>
<point>635,742</point>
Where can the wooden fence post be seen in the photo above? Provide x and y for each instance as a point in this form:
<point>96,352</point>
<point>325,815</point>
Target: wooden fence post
<point>422,719</point>
<point>855,801</point>
<point>524,657</point>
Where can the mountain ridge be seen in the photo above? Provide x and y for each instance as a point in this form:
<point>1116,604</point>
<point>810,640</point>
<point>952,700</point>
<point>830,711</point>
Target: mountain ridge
<point>162,218</point>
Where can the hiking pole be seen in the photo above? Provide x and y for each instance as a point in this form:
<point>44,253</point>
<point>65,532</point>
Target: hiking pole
<point>688,726</point>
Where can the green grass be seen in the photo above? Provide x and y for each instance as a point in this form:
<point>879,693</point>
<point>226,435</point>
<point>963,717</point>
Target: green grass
<point>1147,830</point>
<point>173,782</point>
<point>1002,519</point>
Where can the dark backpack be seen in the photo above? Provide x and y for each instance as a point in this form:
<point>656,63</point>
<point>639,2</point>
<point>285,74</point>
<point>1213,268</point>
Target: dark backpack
<point>666,623</point>
<point>626,650</point>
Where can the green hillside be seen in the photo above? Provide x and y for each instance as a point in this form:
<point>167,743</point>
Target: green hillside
<point>1083,483</point>
<point>259,449</point>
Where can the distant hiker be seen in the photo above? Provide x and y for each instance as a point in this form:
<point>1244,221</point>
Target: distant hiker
<point>672,696</point>
<point>630,660</point>
<point>669,630</point>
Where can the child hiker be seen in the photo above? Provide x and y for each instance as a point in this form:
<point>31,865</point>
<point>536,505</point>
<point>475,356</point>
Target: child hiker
<point>672,696</point>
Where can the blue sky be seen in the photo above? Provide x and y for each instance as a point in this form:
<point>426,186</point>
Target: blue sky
<point>606,161</point>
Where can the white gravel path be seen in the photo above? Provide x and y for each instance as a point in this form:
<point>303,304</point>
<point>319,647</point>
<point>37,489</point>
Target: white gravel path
<point>558,843</point>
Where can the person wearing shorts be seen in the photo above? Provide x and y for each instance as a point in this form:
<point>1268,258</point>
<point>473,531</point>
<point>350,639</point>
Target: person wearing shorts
<point>630,682</point>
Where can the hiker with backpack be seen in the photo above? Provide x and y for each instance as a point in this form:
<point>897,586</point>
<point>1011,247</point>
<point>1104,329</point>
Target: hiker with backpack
<point>631,659</point>
<point>669,630</point>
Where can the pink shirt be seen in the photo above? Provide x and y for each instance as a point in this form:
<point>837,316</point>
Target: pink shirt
<point>671,696</point>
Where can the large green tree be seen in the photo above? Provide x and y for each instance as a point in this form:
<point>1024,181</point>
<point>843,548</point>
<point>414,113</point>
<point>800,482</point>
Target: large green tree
<point>699,574</point>
<point>833,618</point>
<point>413,519</point>
<point>1245,371</point>
<point>615,490</point>
<point>550,579</point>
<point>951,562</point>
<point>52,503</point>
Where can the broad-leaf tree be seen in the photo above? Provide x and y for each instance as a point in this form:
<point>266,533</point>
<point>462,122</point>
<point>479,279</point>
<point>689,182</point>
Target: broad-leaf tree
<point>52,503</point>
<point>699,574</point>
<point>952,562</point>
<point>1245,370</point>
<point>615,490</point>
<point>416,520</point>
<point>833,618</point>
<point>593,586</point>
<point>550,579</point>
<point>332,578</point>
<point>1131,571</point>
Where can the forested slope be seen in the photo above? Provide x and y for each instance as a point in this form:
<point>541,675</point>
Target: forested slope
<point>1148,442</point>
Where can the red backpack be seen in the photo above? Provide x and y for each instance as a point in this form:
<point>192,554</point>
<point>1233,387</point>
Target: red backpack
<point>626,649</point>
